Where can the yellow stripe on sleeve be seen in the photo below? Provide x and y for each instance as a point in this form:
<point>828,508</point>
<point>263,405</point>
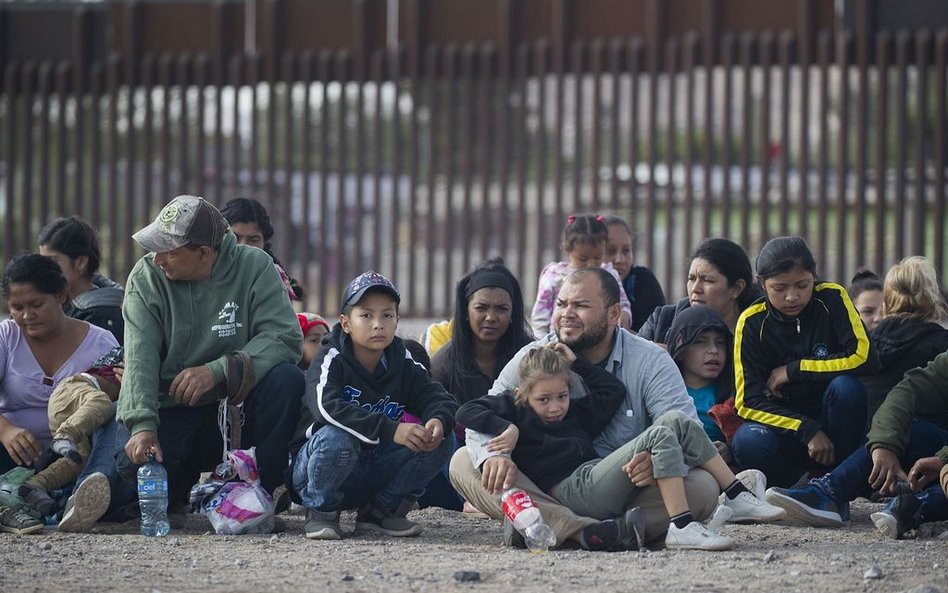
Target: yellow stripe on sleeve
<point>855,360</point>
<point>742,410</point>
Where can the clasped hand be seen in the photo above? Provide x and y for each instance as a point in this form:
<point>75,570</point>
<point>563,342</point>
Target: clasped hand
<point>420,438</point>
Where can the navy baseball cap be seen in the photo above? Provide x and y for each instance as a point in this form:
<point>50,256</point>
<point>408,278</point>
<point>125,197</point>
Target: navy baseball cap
<point>363,283</point>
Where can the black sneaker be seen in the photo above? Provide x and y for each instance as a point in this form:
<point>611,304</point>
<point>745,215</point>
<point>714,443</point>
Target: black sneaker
<point>615,535</point>
<point>39,499</point>
<point>632,529</point>
<point>898,517</point>
<point>372,518</point>
<point>810,505</point>
<point>512,537</point>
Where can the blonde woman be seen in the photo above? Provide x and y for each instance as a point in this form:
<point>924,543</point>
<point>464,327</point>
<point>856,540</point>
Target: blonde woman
<point>909,335</point>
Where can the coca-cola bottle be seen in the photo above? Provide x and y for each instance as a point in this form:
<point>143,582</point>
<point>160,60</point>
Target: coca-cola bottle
<point>526,518</point>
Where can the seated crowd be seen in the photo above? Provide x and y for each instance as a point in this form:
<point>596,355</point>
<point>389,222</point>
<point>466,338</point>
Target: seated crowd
<point>628,421</point>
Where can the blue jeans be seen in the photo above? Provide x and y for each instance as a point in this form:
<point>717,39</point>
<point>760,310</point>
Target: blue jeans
<point>851,477</point>
<point>102,456</point>
<point>781,455</point>
<point>333,471</point>
<point>271,413</point>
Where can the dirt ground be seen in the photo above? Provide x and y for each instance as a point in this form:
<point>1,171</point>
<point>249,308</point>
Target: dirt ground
<point>768,558</point>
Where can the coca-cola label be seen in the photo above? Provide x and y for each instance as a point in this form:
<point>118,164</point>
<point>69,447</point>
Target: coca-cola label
<point>515,503</point>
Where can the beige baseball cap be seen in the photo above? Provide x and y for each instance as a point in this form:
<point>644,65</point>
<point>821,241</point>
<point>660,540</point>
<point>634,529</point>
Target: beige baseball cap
<point>185,219</point>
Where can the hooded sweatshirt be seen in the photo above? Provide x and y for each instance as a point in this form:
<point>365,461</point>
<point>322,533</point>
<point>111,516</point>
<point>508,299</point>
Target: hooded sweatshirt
<point>903,344</point>
<point>685,329</point>
<point>101,306</point>
<point>827,339</point>
<point>174,325</point>
<point>367,403</point>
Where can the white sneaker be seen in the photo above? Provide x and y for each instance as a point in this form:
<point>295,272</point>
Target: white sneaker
<point>748,507</point>
<point>86,505</point>
<point>754,480</point>
<point>696,536</point>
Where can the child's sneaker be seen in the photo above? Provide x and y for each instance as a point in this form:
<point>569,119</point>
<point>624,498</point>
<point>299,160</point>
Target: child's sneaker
<point>748,508</point>
<point>810,505</point>
<point>372,518</point>
<point>39,499</point>
<point>18,520</point>
<point>898,517</point>
<point>86,505</point>
<point>322,525</point>
<point>696,536</point>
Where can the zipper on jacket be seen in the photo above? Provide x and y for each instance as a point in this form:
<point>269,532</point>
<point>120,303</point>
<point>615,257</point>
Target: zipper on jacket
<point>798,325</point>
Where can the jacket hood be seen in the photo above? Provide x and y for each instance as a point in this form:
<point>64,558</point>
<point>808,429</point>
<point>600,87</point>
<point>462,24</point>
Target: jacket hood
<point>896,336</point>
<point>110,296</point>
<point>342,342</point>
<point>689,324</point>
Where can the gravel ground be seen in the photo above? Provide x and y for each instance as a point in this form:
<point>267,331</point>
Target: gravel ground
<point>768,558</point>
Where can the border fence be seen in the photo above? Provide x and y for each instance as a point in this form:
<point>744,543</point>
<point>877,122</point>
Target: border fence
<point>420,137</point>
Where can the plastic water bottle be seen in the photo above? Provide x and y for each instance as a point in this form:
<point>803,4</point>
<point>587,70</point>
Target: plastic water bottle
<point>526,518</point>
<point>153,498</point>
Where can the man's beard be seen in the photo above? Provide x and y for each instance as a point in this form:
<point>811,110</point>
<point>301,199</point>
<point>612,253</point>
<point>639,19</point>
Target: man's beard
<point>591,337</point>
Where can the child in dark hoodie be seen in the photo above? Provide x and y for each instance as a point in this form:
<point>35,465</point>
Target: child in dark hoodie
<point>350,450</point>
<point>699,342</point>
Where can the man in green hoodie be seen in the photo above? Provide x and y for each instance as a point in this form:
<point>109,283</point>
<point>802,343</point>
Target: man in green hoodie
<point>205,320</point>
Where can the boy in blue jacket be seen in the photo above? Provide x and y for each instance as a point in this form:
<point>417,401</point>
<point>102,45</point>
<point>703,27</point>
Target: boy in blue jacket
<point>350,450</point>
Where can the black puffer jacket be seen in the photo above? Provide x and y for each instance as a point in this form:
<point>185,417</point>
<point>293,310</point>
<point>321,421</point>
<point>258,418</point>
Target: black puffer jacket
<point>903,344</point>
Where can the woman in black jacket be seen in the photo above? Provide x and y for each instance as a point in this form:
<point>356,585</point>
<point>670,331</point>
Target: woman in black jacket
<point>720,277</point>
<point>796,351</point>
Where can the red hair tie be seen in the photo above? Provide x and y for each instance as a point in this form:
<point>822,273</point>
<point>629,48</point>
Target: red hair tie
<point>599,218</point>
<point>570,219</point>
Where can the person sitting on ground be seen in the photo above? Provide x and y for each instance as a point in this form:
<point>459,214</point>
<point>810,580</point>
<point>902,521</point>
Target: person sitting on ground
<point>314,330</point>
<point>77,407</point>
<point>208,323</point>
<point>250,223</point>
<point>491,328</point>
<point>551,440</point>
<point>865,290</point>
<point>74,245</point>
<point>584,245</point>
<point>898,440</point>
<point>797,352</point>
<point>39,348</point>
<point>909,335</point>
<point>586,319</point>
<point>350,450</point>
<point>639,283</point>
<point>720,277</point>
<point>700,343</point>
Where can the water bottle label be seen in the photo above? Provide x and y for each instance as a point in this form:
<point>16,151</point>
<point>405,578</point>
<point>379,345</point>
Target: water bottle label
<point>515,503</point>
<point>152,488</point>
